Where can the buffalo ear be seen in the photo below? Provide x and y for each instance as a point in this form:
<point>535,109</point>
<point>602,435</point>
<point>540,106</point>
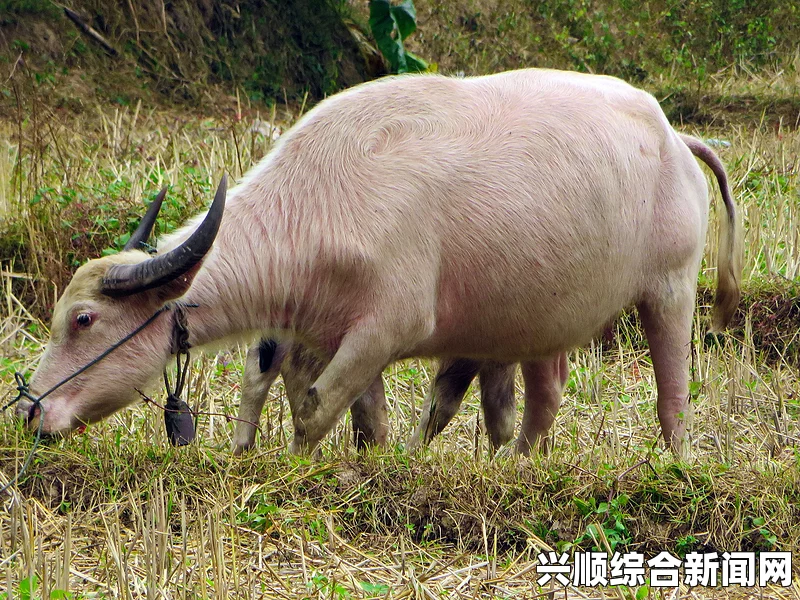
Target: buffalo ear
<point>177,287</point>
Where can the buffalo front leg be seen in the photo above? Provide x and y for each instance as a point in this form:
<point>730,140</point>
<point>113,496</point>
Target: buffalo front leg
<point>443,399</point>
<point>544,384</point>
<point>498,402</point>
<point>357,363</point>
<point>668,327</point>
<point>369,412</point>
<point>261,368</point>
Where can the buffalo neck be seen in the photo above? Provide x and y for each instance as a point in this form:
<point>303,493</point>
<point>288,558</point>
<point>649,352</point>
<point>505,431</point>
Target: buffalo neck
<point>250,283</point>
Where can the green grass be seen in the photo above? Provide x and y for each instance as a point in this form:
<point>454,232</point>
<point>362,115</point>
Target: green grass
<point>116,512</point>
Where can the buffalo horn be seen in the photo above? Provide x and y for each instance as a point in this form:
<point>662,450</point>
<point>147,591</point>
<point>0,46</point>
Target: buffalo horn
<point>123,280</point>
<point>142,233</point>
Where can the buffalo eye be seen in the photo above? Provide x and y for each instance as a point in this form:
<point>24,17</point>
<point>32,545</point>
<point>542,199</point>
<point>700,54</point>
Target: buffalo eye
<point>83,320</point>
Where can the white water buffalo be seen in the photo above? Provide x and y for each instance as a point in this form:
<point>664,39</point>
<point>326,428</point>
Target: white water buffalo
<point>508,217</point>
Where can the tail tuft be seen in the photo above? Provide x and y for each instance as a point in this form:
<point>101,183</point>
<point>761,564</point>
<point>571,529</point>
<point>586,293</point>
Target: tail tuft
<point>729,262</point>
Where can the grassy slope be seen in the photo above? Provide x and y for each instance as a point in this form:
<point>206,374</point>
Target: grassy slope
<point>132,516</point>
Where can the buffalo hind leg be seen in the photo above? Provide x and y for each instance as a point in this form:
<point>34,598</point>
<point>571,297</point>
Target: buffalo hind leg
<point>544,384</point>
<point>498,401</point>
<point>668,327</point>
<point>443,399</point>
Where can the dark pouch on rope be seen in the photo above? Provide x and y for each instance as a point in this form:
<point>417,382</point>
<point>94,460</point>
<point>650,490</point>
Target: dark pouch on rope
<point>178,417</point>
<point>179,421</point>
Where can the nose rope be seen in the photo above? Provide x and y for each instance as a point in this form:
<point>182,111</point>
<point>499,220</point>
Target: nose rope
<point>178,416</point>
<point>22,389</point>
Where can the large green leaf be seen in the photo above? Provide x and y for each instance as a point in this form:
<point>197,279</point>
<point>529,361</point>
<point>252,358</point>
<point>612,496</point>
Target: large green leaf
<point>390,25</point>
<point>385,31</point>
<point>405,15</point>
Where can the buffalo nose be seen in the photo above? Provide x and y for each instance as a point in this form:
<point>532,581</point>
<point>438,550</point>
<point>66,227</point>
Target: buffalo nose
<point>22,409</point>
<point>27,411</point>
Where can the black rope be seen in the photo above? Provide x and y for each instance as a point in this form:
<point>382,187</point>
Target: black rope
<point>22,388</point>
<point>92,362</point>
<point>179,419</point>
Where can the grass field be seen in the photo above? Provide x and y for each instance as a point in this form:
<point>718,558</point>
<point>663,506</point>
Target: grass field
<point>116,512</point>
